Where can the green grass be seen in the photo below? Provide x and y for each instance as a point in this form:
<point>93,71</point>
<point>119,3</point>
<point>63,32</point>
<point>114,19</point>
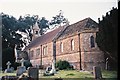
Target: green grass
<point>69,74</point>
<point>8,74</point>
<point>83,74</point>
<point>109,74</point>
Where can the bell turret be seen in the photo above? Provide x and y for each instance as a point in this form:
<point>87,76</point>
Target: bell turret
<point>36,31</point>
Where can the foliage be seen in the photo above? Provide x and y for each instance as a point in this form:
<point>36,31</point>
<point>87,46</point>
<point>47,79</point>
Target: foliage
<point>15,65</point>
<point>61,65</point>
<point>58,19</point>
<point>11,28</point>
<point>9,35</point>
<point>43,24</point>
<point>27,64</point>
<point>6,56</point>
<point>107,37</point>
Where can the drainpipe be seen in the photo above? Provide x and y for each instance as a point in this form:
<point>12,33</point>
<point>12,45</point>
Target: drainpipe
<point>79,51</point>
<point>41,56</point>
<point>54,51</point>
<point>29,57</point>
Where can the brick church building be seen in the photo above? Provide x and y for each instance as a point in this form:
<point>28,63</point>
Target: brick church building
<point>74,43</point>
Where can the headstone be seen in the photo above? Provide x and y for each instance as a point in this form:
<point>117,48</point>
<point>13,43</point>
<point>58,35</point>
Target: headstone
<point>97,72</point>
<point>12,68</point>
<point>15,53</point>
<point>48,69</point>
<point>8,70</point>
<point>107,64</point>
<point>20,70</point>
<point>8,64</point>
<point>22,62</point>
<point>33,73</point>
<point>53,70</point>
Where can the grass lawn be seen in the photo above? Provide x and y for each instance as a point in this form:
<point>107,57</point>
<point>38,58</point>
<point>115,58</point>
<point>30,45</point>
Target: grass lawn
<point>70,74</point>
<point>82,74</point>
<point>109,74</point>
<point>9,74</point>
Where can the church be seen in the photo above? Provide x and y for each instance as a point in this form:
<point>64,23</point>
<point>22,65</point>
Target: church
<point>74,43</point>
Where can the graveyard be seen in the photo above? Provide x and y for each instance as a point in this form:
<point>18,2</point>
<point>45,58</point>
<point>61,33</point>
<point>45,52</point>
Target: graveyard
<point>35,48</point>
<point>51,73</point>
<point>72,74</point>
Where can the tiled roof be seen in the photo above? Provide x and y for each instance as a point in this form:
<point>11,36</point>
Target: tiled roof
<point>79,26</point>
<point>45,38</point>
<point>63,31</point>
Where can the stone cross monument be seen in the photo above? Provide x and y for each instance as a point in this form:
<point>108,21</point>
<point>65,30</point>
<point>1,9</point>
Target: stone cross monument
<point>107,66</point>
<point>21,69</point>
<point>16,54</point>
<point>8,64</point>
<point>22,62</point>
<point>53,70</point>
<point>8,70</point>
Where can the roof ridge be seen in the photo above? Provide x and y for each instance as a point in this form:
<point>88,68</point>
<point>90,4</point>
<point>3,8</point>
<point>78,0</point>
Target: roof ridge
<point>60,32</point>
<point>81,20</point>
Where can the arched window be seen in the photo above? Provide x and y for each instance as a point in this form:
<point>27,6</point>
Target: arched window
<point>92,42</point>
<point>31,54</point>
<point>72,44</point>
<point>38,52</point>
<point>61,47</point>
<point>45,50</point>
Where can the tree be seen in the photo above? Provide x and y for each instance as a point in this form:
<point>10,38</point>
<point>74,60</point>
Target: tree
<point>11,28</point>
<point>107,37</point>
<point>44,25</point>
<point>24,24</point>
<point>9,38</point>
<point>9,35</point>
<point>58,19</point>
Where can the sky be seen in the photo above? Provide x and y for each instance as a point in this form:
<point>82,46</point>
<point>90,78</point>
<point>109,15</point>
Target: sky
<point>73,10</point>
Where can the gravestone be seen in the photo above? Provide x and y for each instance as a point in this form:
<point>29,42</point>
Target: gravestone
<point>107,64</point>
<point>48,69</point>
<point>33,73</point>
<point>21,69</point>
<point>8,65</point>
<point>8,70</point>
<point>22,62</point>
<point>97,72</point>
<point>12,68</point>
<point>53,70</point>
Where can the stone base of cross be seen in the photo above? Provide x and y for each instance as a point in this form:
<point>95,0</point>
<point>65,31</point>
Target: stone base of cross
<point>22,62</point>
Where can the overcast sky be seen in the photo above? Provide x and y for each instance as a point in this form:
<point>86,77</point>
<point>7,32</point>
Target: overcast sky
<point>73,10</point>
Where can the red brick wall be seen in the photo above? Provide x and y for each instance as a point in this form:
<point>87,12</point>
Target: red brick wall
<point>71,56</point>
<point>46,58</point>
<point>67,45</point>
<point>89,56</point>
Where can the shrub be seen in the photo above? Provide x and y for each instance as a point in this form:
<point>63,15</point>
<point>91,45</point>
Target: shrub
<point>61,65</point>
<point>15,65</point>
<point>27,64</point>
